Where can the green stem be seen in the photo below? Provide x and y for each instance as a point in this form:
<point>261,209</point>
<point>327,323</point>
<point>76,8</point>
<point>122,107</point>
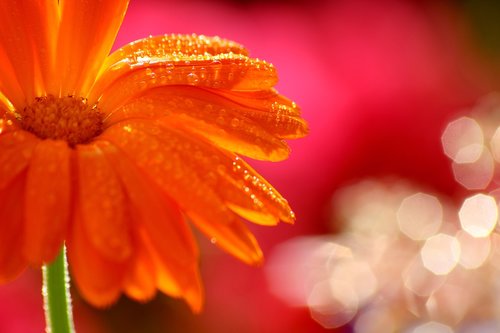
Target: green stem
<point>56,296</point>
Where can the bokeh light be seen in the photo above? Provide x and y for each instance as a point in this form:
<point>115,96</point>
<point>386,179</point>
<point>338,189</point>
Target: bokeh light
<point>333,305</point>
<point>473,144</point>
<point>440,254</point>
<point>473,251</point>
<point>383,274</point>
<point>478,215</point>
<point>419,280</point>
<point>495,145</point>
<point>476,175</point>
<point>420,216</point>
<point>432,327</point>
<point>376,320</point>
<point>463,140</point>
<point>356,275</point>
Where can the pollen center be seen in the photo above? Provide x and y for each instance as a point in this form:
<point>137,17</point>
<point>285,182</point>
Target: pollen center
<point>62,118</point>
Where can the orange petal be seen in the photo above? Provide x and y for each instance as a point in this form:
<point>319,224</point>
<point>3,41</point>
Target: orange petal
<point>136,73</point>
<point>264,100</point>
<point>104,211</point>
<point>256,188</point>
<point>280,115</point>
<point>173,280</point>
<point>88,30</point>
<point>242,130</point>
<point>176,281</point>
<point>196,196</point>
<point>153,210</point>
<point>98,279</point>
<point>241,187</point>
<point>12,262</point>
<point>9,85</point>
<point>28,37</point>
<point>6,106</point>
<point>16,148</point>
<point>42,23</point>
<point>165,229</point>
<point>140,282</point>
<point>231,235</point>
<point>48,198</point>
<point>157,48</point>
<point>191,289</point>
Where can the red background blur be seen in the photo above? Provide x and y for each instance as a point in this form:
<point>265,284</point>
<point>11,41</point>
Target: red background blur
<point>376,80</point>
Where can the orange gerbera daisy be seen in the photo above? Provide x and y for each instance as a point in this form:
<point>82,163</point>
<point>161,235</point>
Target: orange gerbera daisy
<point>114,154</point>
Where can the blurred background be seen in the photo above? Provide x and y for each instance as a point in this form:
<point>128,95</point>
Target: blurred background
<point>394,188</point>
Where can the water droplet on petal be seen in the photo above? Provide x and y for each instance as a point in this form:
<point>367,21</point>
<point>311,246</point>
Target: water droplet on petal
<point>235,122</point>
<point>192,79</point>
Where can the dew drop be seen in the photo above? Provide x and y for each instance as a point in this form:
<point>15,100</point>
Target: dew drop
<point>143,60</point>
<point>235,122</point>
<point>192,79</point>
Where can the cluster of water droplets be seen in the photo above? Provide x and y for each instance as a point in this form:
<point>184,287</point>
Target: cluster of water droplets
<point>185,60</point>
<point>189,61</point>
<point>260,191</point>
<point>214,71</point>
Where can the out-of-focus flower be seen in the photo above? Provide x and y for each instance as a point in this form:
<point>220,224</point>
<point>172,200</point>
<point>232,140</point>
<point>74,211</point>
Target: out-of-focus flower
<point>113,153</point>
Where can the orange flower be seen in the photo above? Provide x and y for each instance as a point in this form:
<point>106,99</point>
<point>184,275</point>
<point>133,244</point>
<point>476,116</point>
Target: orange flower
<point>115,154</point>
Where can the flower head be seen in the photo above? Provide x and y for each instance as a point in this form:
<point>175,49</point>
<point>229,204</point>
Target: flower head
<point>117,154</point>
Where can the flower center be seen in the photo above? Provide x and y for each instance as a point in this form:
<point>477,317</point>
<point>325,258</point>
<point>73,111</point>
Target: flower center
<point>62,118</point>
